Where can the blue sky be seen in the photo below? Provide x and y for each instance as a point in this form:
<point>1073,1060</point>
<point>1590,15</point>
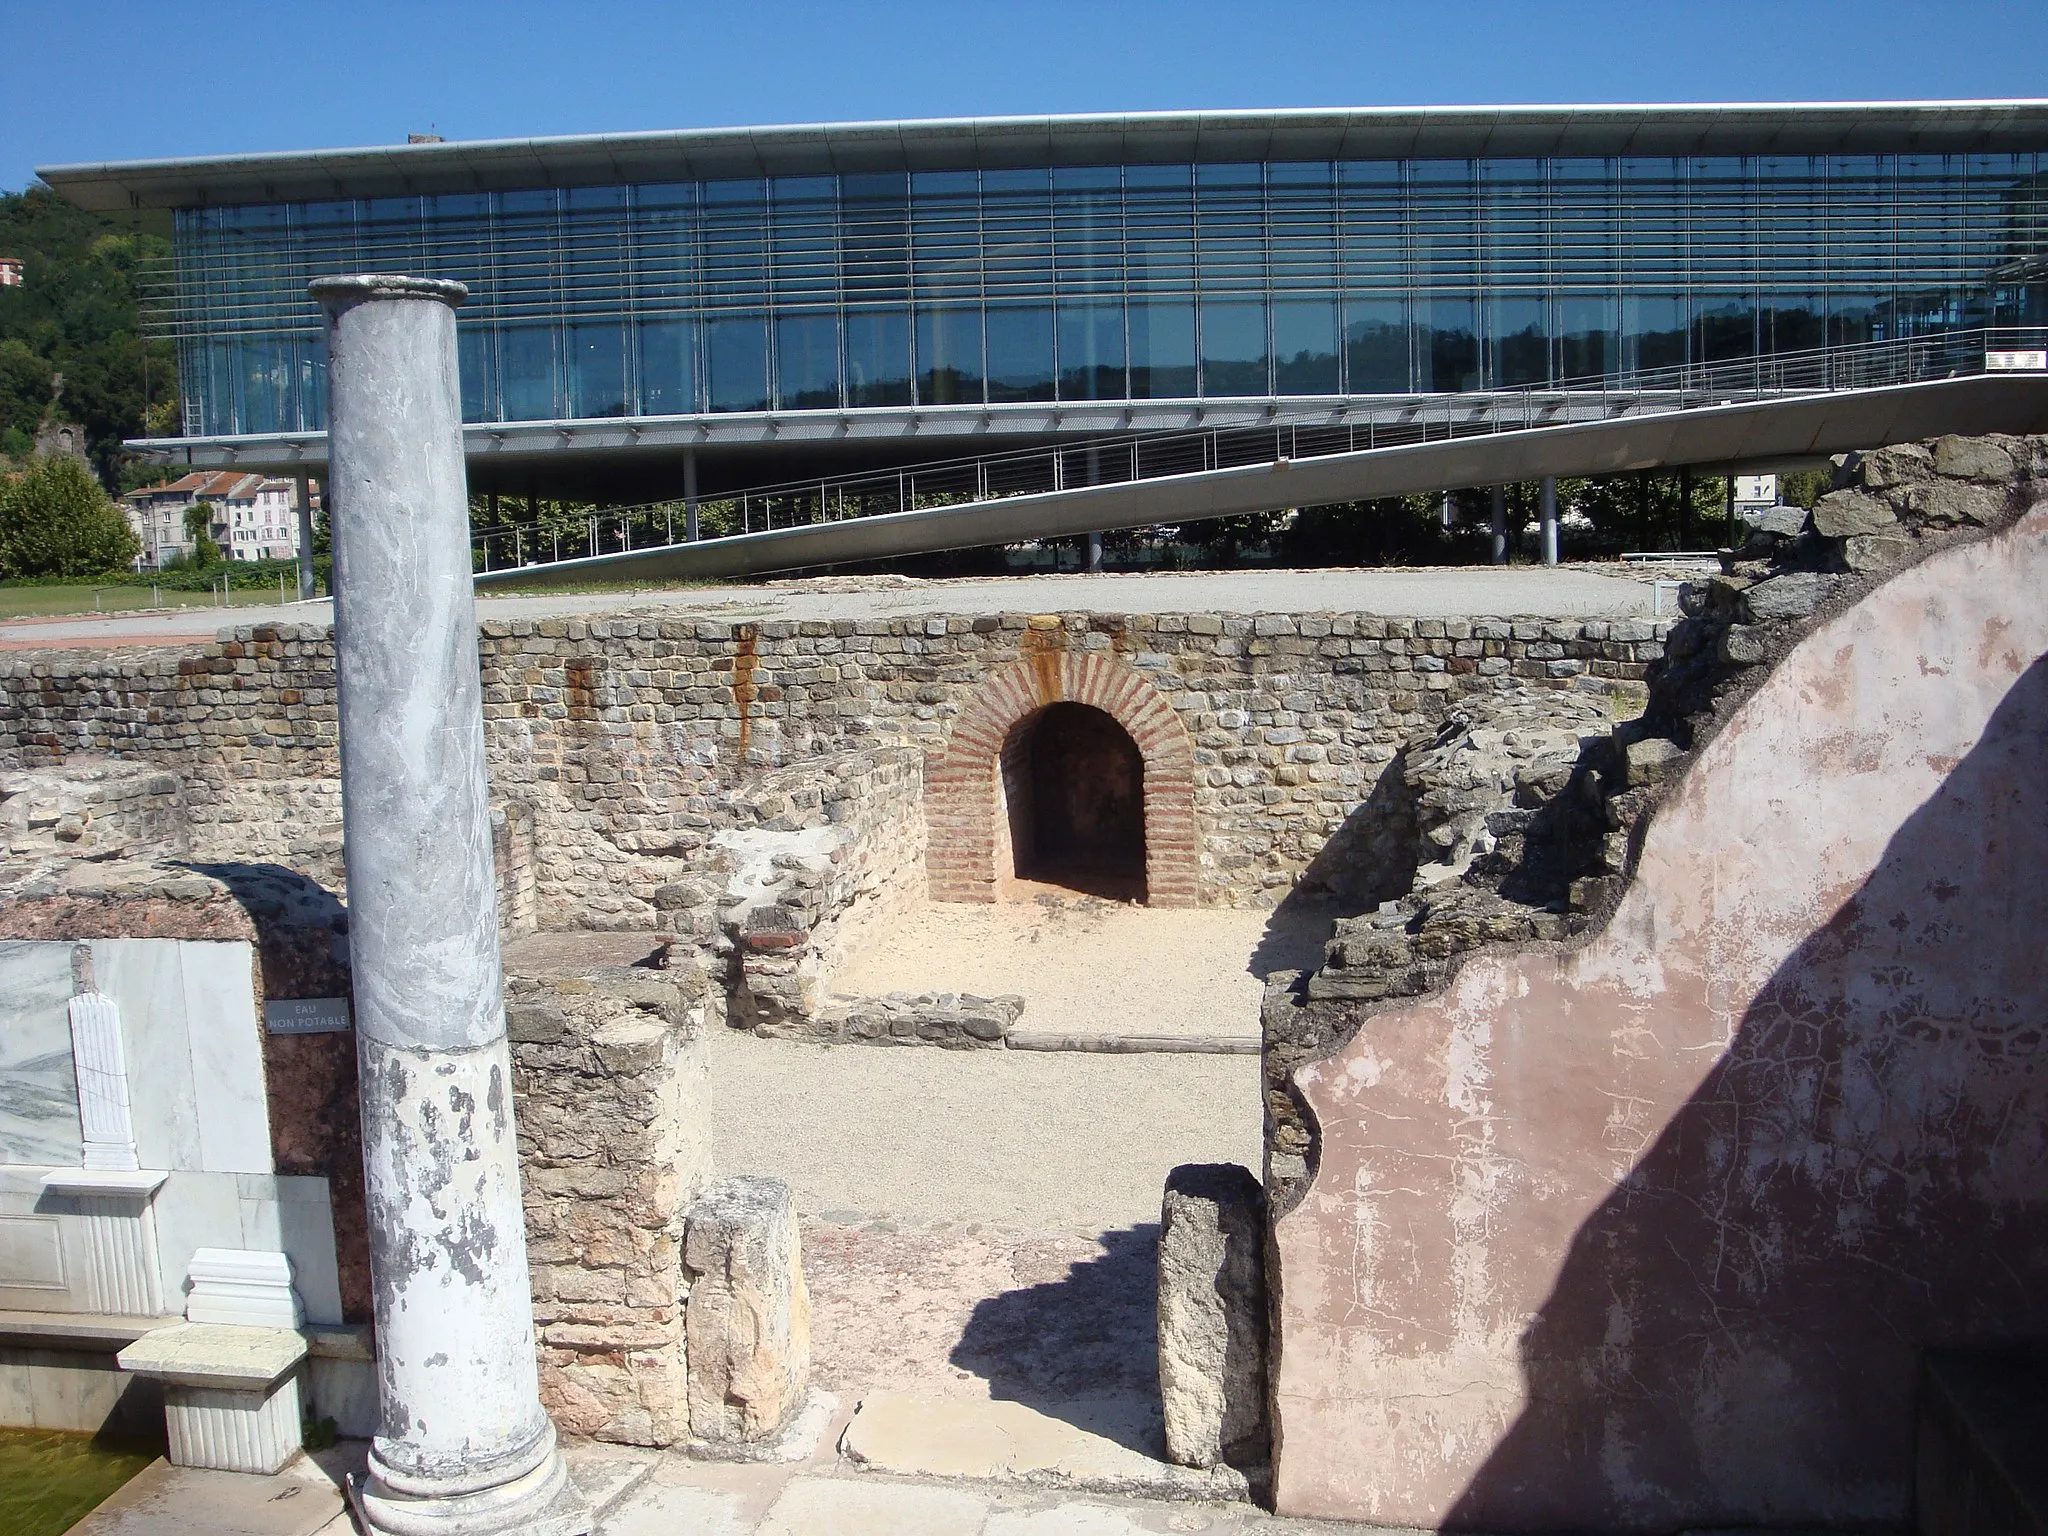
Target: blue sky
<point>85,80</point>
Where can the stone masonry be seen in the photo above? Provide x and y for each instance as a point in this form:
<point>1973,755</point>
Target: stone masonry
<point>626,737</point>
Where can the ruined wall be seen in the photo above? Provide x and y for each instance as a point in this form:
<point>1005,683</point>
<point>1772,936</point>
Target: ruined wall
<point>1650,1233</point>
<point>626,736</point>
<point>611,1098</point>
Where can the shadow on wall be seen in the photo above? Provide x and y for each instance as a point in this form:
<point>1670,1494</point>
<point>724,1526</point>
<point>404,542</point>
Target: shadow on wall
<point>1083,1348</point>
<point>1734,1334</point>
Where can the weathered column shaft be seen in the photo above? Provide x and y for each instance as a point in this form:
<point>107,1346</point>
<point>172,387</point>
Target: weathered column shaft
<point>303,490</point>
<point>465,1446</point>
<point>1549,519</point>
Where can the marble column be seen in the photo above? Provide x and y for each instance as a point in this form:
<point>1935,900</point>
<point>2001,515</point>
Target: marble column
<point>1549,519</point>
<point>1499,525</point>
<point>303,489</point>
<point>464,1447</point>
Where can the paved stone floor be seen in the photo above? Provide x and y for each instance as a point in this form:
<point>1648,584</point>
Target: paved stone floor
<point>1462,592</point>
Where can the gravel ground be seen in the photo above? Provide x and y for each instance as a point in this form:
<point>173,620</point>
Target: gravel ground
<point>1035,1141</point>
<point>1452,592</point>
<point>1085,965</point>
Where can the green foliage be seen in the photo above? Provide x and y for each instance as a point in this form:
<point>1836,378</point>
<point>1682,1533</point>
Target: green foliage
<point>199,529</point>
<point>182,575</point>
<point>56,521</point>
<point>76,314</point>
<point>1803,487</point>
<point>1395,530</point>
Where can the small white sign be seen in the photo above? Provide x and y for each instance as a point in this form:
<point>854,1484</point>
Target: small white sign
<point>306,1016</point>
<point>2016,362</point>
<point>1756,490</point>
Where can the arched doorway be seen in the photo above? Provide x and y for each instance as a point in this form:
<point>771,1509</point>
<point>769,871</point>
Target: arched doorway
<point>967,798</point>
<point>1074,797</point>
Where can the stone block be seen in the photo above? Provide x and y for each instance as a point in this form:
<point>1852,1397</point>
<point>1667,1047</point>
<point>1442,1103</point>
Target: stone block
<point>1792,596</point>
<point>1650,761</point>
<point>1212,1315</point>
<point>1845,514</point>
<point>1973,458</point>
<point>747,1326</point>
<point>243,1290</point>
<point>1875,552</point>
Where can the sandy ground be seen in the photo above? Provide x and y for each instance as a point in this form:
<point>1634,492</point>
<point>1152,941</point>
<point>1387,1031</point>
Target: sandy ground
<point>1026,1140</point>
<point>979,1223</point>
<point>1085,965</point>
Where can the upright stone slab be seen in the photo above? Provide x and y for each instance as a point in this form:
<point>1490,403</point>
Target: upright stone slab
<point>748,1324</point>
<point>465,1445</point>
<point>1212,1315</point>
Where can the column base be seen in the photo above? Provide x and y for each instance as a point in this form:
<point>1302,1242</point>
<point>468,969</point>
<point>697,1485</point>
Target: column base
<point>542,1502</point>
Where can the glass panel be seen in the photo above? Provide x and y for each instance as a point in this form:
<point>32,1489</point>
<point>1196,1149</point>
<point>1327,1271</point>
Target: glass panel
<point>1019,354</point>
<point>736,359</point>
<point>1794,322</point>
<point>473,359</point>
<point>1234,349</point>
<point>1724,327</point>
<point>527,372</point>
<point>949,356</point>
<point>877,357</point>
<point>1589,339</point>
<point>1447,341</point>
<point>1520,341</point>
<point>1091,352</point>
<point>1162,351</point>
<point>1305,347</point>
<point>1653,330</point>
<point>668,367</point>
<point>597,374</point>
<point>1376,346</point>
<point>807,361</point>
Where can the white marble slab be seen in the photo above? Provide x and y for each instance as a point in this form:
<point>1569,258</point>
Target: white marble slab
<point>38,1090</point>
<point>195,1051</point>
<point>294,1216</point>
<point>146,978</point>
<point>227,1057</point>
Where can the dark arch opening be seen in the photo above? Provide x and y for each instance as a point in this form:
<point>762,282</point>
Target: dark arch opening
<point>1074,791</point>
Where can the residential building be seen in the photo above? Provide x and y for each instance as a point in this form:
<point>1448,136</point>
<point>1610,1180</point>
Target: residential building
<point>254,517</point>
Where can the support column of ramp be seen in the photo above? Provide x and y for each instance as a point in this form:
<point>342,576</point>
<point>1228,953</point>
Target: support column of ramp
<point>464,1447</point>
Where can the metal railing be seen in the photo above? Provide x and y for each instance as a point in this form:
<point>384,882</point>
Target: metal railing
<point>1365,424</point>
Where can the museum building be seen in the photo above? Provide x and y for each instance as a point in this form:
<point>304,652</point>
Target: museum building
<point>788,301</point>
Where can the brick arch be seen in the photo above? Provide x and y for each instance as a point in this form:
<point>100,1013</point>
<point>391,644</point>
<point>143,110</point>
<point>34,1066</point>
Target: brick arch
<point>961,781</point>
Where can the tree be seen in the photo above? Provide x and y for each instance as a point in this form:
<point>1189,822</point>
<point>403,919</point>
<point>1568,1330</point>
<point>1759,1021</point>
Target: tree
<point>199,529</point>
<point>79,314</point>
<point>56,521</point>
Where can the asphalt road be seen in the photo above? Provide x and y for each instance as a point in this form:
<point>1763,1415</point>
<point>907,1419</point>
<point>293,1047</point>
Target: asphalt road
<point>1563,592</point>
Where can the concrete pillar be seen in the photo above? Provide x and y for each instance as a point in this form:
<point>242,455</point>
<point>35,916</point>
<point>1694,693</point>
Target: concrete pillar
<point>1094,551</point>
<point>1549,516</point>
<point>1500,525</point>
<point>690,494</point>
<point>464,1446</point>
<point>303,490</point>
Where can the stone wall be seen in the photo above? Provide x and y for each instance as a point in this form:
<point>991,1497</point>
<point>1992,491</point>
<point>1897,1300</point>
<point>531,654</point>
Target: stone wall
<point>611,1099</point>
<point>1649,1232</point>
<point>627,736</point>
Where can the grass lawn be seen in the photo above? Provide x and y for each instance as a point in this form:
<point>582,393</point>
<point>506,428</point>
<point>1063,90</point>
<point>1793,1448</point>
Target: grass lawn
<point>34,602</point>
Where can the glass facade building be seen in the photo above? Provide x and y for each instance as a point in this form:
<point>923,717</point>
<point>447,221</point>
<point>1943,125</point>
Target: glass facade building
<point>919,268</point>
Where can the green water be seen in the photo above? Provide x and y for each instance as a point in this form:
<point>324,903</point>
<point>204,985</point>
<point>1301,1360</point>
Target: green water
<point>50,1480</point>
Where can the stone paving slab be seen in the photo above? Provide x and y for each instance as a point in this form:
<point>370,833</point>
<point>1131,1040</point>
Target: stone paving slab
<point>162,1500</point>
<point>1101,1445</point>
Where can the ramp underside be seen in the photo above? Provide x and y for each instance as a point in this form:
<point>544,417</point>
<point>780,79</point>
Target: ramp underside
<point>1754,432</point>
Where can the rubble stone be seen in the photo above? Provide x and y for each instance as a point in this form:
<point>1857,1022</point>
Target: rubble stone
<point>1843,514</point>
<point>1212,1315</point>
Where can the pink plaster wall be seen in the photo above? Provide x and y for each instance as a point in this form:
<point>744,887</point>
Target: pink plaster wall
<point>1650,1234</point>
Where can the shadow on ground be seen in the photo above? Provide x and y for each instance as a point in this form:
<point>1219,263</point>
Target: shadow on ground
<point>1083,1347</point>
